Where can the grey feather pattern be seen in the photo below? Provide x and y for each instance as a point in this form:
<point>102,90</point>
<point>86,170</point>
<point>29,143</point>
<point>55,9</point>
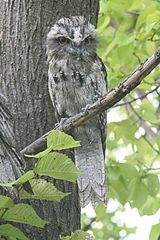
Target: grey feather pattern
<point>77,77</point>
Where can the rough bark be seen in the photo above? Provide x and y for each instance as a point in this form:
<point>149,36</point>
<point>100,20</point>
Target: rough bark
<point>10,162</point>
<point>23,79</point>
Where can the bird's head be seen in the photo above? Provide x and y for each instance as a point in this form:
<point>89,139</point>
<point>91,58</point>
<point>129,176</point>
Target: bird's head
<point>73,38</point>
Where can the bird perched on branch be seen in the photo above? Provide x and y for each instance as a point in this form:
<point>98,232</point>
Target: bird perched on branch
<point>77,78</point>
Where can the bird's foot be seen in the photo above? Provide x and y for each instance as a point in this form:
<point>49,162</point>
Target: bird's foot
<point>60,125</point>
<point>86,108</point>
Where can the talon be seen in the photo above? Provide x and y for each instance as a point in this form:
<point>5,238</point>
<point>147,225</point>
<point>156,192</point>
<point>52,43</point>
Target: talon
<point>86,108</point>
<point>60,124</point>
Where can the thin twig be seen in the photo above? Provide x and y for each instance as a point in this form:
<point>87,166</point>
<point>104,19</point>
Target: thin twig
<point>135,99</point>
<point>152,169</point>
<point>150,144</point>
<point>143,123</point>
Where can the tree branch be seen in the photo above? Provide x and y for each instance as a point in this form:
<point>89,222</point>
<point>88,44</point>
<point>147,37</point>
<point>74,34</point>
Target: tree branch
<point>138,98</point>
<point>104,103</point>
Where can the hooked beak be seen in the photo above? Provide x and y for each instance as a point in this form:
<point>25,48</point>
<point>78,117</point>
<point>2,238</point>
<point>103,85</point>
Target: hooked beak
<point>77,43</point>
<point>76,49</point>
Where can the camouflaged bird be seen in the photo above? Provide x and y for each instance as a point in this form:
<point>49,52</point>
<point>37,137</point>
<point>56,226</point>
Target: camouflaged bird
<point>77,78</point>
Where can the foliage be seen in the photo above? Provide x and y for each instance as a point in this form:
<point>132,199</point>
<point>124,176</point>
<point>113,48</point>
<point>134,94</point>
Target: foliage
<point>57,165</point>
<point>105,226</point>
<point>154,234</point>
<point>42,190</point>
<point>8,230</point>
<point>52,164</point>
<point>129,32</point>
<point>21,213</point>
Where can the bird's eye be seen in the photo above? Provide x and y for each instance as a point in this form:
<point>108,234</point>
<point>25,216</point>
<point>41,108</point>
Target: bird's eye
<point>63,40</point>
<point>88,40</point>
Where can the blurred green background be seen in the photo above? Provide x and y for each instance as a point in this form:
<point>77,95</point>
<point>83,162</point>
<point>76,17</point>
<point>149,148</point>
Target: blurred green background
<point>129,33</point>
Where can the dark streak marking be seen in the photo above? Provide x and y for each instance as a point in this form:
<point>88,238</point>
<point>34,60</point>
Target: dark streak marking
<point>81,79</point>
<point>56,79</point>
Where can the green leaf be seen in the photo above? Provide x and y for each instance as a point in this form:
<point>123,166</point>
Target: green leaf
<point>12,232</point>
<point>100,212</point>
<point>142,18</point>
<point>23,213</point>
<point>103,22</point>
<point>59,141</point>
<point>118,8</point>
<point>111,46</point>
<point>5,202</point>
<point>122,39</point>
<point>2,211</point>
<point>119,190</point>
<point>24,178</point>
<point>58,166</point>
<point>148,111</point>
<point>128,170</point>
<point>41,154</point>
<point>7,184</point>
<point>153,184</point>
<point>138,192</point>
<point>43,190</point>
<point>150,206</point>
<point>155,232</point>
<point>113,173</point>
<point>145,149</point>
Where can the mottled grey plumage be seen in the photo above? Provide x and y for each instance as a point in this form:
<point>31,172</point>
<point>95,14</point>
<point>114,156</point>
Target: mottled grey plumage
<point>77,77</point>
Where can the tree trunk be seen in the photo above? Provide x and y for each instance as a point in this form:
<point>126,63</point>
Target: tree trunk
<point>23,79</point>
<point>10,163</point>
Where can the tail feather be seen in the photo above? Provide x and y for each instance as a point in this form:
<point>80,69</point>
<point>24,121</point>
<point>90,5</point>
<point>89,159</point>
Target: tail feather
<point>90,160</point>
<point>85,196</point>
<point>88,195</point>
<point>95,200</point>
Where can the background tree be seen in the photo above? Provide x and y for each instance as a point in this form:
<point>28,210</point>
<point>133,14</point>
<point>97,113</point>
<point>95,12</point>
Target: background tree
<point>128,33</point>
<point>24,26</point>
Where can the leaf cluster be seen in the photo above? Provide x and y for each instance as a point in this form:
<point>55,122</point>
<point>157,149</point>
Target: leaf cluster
<point>51,164</point>
<point>128,33</point>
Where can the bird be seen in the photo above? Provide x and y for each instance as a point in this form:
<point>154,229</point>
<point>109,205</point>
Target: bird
<point>77,78</point>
